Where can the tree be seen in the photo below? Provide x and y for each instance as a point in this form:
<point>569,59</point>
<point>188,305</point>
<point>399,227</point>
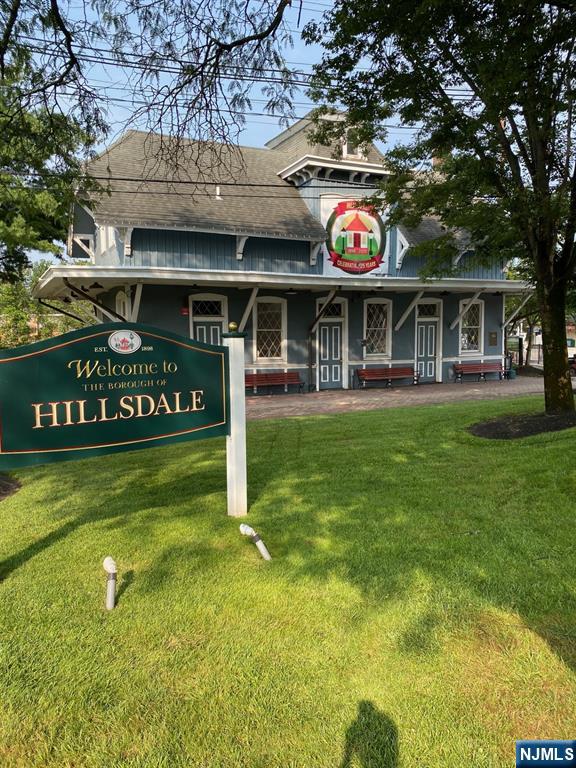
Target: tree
<point>488,86</point>
<point>190,66</point>
<point>23,319</point>
<point>40,166</point>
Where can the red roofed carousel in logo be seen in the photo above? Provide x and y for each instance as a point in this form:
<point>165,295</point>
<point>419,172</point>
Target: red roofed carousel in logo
<point>356,237</point>
<point>124,342</point>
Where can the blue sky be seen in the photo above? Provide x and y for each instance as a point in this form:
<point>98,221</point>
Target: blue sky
<point>259,128</point>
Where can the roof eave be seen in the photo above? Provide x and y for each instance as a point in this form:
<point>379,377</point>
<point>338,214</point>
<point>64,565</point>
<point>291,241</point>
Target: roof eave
<point>51,284</point>
<point>317,161</point>
<point>303,236</point>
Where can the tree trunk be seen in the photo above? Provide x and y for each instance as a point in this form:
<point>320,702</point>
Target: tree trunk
<point>530,336</point>
<point>557,383</point>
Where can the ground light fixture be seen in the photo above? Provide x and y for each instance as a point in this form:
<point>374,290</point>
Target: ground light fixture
<point>111,573</point>
<point>246,530</point>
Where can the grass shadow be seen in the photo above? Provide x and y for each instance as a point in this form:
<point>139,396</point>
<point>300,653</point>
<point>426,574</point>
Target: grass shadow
<point>371,740</point>
<point>125,582</point>
<point>459,522</point>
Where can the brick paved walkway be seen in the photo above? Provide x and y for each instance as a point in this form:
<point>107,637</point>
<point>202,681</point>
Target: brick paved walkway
<point>279,406</point>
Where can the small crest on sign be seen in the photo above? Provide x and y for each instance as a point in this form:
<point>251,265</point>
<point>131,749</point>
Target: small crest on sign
<point>124,342</point>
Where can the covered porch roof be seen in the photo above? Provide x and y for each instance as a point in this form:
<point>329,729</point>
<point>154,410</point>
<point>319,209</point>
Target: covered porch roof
<point>100,279</point>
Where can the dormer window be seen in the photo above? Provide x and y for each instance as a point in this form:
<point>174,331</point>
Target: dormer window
<point>352,149</point>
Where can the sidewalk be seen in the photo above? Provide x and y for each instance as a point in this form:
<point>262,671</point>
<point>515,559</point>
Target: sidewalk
<point>279,406</point>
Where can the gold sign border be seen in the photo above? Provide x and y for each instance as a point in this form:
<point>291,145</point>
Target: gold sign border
<point>125,442</point>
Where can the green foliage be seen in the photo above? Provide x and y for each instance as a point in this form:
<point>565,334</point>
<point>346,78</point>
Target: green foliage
<point>40,167</point>
<point>488,88</point>
<point>411,615</point>
<point>23,319</point>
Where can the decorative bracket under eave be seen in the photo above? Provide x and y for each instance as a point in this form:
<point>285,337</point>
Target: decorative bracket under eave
<point>314,250</point>
<point>125,236</point>
<point>240,243</point>
<point>401,249</point>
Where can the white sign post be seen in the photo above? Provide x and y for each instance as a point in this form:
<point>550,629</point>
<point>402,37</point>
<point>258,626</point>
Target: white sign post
<point>236,440</point>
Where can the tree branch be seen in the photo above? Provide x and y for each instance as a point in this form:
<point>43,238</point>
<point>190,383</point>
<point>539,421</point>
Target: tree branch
<point>5,42</point>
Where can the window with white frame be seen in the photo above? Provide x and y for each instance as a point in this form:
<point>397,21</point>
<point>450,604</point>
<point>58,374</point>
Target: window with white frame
<point>270,329</point>
<point>377,327</point>
<point>352,148</point>
<point>207,306</point>
<point>123,305</point>
<point>471,327</point>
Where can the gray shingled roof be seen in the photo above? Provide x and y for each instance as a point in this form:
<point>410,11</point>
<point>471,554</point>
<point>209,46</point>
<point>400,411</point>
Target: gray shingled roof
<point>295,141</point>
<point>188,200</point>
<point>430,229</point>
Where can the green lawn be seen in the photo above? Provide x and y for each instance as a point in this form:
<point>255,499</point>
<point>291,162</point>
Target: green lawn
<point>419,612</point>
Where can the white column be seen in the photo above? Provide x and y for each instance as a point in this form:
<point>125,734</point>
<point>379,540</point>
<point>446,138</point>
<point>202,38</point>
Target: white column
<point>236,440</point>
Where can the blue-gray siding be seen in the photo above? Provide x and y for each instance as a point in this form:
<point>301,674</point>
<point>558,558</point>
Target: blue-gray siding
<point>162,306</point>
<point>198,250</point>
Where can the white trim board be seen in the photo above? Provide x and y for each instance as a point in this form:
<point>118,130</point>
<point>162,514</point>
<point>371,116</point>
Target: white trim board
<point>51,283</point>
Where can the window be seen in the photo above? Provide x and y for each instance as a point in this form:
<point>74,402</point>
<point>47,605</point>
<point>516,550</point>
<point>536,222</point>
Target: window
<point>471,327</point>
<point>428,310</point>
<point>352,148</point>
<point>270,329</point>
<point>334,310</point>
<point>207,308</point>
<point>377,327</point>
<point>123,305</point>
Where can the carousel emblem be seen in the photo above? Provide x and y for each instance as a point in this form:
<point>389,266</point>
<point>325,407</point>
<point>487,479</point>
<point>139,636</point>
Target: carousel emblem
<point>124,342</point>
<point>356,238</point>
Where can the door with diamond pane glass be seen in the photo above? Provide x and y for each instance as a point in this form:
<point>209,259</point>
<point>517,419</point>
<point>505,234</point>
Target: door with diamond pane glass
<point>208,318</point>
<point>330,355</point>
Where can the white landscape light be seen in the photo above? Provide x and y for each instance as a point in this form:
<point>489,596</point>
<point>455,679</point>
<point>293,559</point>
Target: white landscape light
<point>111,571</point>
<point>247,530</point>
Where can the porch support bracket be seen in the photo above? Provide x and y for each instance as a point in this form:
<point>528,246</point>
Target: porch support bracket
<point>136,303</point>
<point>517,311</point>
<point>114,316</point>
<point>248,310</point>
<point>465,309</point>
<point>322,311</point>
<point>408,310</point>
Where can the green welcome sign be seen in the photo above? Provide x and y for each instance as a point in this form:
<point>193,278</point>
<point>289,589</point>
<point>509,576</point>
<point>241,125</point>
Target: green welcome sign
<point>111,387</point>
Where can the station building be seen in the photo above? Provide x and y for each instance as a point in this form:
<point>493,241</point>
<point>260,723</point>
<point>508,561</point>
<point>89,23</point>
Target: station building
<point>276,240</point>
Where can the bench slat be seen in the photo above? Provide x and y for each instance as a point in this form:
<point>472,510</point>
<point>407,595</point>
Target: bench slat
<point>386,374</point>
<point>480,369</point>
<point>272,379</point>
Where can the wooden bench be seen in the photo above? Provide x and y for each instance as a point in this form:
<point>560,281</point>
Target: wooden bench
<point>276,379</point>
<point>477,369</point>
<point>386,374</point>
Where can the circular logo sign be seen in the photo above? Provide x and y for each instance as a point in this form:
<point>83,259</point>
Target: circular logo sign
<point>124,342</point>
<point>356,238</point>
